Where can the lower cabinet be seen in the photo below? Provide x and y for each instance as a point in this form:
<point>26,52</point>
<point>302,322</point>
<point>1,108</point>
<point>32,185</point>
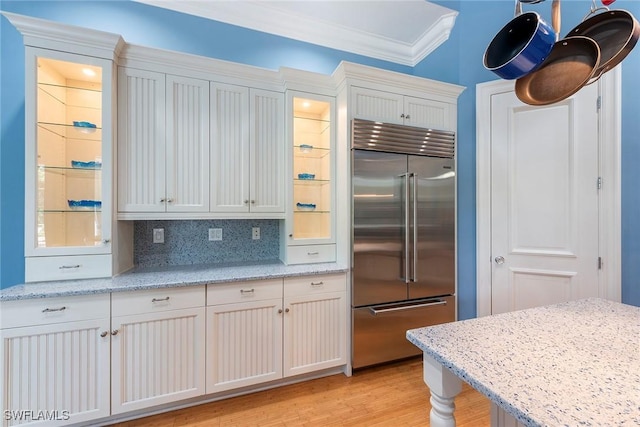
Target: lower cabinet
<point>157,347</point>
<point>75,359</point>
<point>54,355</point>
<point>265,330</point>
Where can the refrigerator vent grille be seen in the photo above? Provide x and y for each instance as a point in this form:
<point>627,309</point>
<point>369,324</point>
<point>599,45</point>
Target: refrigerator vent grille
<point>389,137</point>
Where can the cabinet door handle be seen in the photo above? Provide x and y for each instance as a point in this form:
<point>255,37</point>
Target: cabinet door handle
<point>402,116</point>
<point>247,291</point>
<point>169,200</point>
<point>313,253</point>
<point>160,299</point>
<point>163,200</point>
<point>246,201</point>
<point>51,310</point>
<point>68,267</point>
<point>407,116</point>
<point>104,334</point>
<point>279,311</point>
<point>114,332</point>
<point>253,202</point>
<point>286,310</point>
<point>106,241</point>
<point>317,284</point>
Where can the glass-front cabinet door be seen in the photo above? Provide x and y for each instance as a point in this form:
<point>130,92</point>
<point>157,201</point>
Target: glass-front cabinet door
<point>313,172</point>
<point>68,138</point>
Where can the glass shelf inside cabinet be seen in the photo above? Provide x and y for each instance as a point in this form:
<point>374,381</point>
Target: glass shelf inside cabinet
<point>69,152</point>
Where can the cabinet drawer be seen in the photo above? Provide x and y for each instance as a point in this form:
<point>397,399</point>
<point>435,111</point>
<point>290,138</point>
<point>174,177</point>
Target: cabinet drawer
<point>154,300</point>
<point>227,293</point>
<point>38,269</point>
<point>307,285</point>
<point>43,311</point>
<point>311,254</point>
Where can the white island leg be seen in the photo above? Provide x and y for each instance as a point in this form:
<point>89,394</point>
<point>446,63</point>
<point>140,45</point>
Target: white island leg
<point>444,387</point>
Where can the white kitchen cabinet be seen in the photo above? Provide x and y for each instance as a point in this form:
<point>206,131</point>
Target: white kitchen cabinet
<point>315,327</point>
<point>157,347</point>
<point>259,331</point>
<point>55,358</point>
<point>247,150</point>
<point>163,143</point>
<point>392,107</point>
<point>244,334</point>
<point>69,232</point>
<point>311,213</point>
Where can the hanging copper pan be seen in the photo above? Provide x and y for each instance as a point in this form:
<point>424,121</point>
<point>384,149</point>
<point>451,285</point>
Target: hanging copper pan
<point>573,61</point>
<point>615,31</point>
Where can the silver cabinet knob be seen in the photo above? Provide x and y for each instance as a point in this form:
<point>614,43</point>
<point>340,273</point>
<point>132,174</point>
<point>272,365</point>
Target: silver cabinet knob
<point>169,200</point>
<point>104,334</point>
<point>114,332</point>
<point>499,260</point>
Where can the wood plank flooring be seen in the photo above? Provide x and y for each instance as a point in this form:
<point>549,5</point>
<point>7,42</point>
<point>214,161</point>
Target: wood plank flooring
<point>389,395</point>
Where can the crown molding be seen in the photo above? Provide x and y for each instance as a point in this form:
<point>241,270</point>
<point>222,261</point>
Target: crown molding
<point>261,17</point>
<point>53,35</point>
<point>352,73</point>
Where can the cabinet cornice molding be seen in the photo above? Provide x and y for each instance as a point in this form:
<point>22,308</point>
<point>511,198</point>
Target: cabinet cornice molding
<point>358,74</point>
<point>53,35</point>
<point>201,67</point>
<point>306,81</point>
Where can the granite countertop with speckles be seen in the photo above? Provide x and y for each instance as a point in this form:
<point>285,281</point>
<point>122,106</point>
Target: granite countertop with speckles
<point>570,364</point>
<point>165,277</point>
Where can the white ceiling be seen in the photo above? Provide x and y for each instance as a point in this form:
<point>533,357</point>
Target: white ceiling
<point>400,31</point>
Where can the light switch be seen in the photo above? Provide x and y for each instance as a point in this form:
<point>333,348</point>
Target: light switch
<point>158,235</point>
<point>215,234</point>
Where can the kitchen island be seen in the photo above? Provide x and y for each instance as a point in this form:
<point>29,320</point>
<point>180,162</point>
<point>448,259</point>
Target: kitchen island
<point>569,364</point>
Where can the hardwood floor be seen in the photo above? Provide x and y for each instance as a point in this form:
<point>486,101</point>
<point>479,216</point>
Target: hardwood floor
<point>389,395</point>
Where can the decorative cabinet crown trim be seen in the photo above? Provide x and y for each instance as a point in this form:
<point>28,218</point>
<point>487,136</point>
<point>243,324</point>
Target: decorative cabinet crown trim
<point>68,38</point>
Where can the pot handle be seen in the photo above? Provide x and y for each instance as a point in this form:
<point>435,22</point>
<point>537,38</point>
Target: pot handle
<point>556,18</point>
<point>594,9</point>
<point>518,10</point>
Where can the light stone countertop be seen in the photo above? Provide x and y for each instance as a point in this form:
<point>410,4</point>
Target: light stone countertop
<point>569,364</point>
<point>165,277</point>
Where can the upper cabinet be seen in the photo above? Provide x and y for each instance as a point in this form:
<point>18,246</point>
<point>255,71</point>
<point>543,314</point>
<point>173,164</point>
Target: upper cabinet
<point>163,142</point>
<point>70,232</point>
<point>247,150</point>
<point>311,219</point>
<point>390,107</point>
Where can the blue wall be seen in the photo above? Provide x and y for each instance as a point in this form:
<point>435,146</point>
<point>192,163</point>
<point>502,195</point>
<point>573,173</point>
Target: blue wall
<point>458,61</point>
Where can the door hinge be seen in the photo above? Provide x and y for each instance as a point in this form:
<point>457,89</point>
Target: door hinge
<point>599,103</point>
<point>599,263</point>
<point>599,183</point>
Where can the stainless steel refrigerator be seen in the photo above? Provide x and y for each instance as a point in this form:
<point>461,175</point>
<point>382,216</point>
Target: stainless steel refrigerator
<point>403,241</point>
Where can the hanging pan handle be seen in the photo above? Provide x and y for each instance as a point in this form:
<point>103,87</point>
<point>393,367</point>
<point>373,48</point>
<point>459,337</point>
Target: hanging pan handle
<point>556,19</point>
<point>594,8</point>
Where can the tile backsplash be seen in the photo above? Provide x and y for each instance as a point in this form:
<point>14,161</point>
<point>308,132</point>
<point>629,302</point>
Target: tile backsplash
<point>187,242</point>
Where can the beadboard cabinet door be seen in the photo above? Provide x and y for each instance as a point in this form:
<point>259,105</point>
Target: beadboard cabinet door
<point>247,150</point>
<point>427,113</point>
<point>266,151</point>
<point>55,374</point>
<point>157,358</point>
<point>244,344</point>
<point>315,326</point>
<point>163,147</point>
<point>229,183</point>
<point>187,136</point>
<point>141,140</point>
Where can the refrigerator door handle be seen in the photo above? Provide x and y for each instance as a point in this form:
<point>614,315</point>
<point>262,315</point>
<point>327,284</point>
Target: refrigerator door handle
<point>387,308</point>
<point>406,246</point>
<point>414,263</point>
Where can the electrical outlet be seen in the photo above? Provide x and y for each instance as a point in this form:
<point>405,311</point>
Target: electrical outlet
<point>255,233</point>
<point>158,235</point>
<point>215,234</point>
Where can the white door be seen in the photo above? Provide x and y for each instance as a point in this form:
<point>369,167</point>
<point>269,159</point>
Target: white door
<point>157,358</point>
<point>141,141</point>
<point>229,179</point>
<point>544,201</point>
<point>267,183</point>
<point>187,123</point>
